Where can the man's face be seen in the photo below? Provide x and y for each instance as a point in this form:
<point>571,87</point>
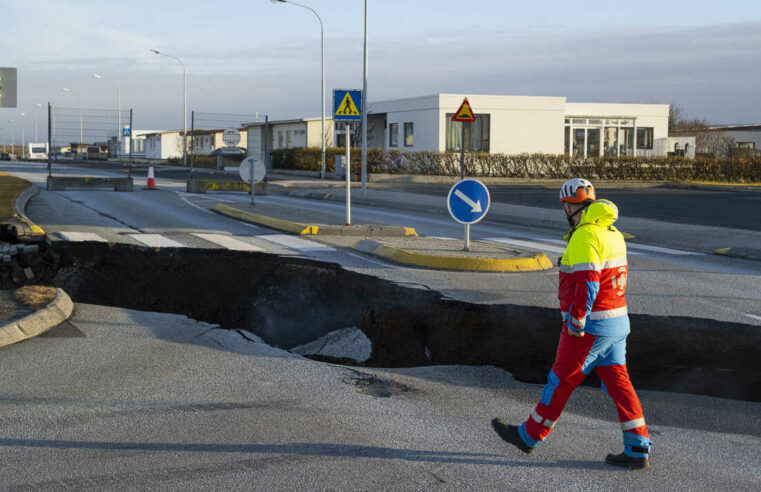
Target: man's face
<point>569,210</point>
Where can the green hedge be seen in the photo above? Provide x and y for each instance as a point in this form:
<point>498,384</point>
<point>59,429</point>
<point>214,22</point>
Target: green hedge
<point>734,169</point>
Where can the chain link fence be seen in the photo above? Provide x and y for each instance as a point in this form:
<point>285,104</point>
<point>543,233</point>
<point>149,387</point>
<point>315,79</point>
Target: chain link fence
<point>89,134</point>
<point>217,139</point>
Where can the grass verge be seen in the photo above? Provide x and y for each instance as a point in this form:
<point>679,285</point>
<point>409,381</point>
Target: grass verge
<point>10,188</point>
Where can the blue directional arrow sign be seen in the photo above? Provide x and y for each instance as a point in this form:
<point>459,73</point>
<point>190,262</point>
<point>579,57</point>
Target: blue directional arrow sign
<point>468,201</point>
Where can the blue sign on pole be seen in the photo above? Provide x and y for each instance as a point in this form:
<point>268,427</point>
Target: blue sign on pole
<point>468,201</point>
<point>347,104</point>
<point>126,132</point>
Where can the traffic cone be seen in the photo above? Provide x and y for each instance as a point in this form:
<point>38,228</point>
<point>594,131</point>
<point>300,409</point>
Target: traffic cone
<point>151,184</point>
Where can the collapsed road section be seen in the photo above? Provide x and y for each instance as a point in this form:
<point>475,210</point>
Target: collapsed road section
<point>291,301</point>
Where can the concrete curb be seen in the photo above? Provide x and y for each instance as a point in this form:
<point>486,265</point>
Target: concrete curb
<point>20,206</point>
<point>745,253</point>
<point>536,262</point>
<point>38,322</point>
<point>312,229</point>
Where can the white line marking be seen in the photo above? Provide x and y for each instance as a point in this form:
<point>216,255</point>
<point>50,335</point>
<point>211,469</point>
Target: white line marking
<point>658,249</point>
<point>156,241</point>
<point>752,316</point>
<point>81,236</point>
<point>295,242</point>
<point>227,242</point>
<point>526,244</point>
<point>379,263</point>
<point>194,205</point>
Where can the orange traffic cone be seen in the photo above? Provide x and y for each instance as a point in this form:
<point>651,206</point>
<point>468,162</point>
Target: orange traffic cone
<point>151,184</point>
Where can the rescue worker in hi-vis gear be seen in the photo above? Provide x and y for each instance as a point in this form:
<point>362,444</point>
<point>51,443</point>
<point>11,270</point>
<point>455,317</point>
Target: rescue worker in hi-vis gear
<point>592,294</point>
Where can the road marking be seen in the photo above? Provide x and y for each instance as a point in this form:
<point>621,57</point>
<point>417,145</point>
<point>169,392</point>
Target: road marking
<point>526,244</point>
<point>658,249</point>
<point>156,241</point>
<point>295,242</point>
<point>752,316</point>
<point>194,205</point>
<point>81,236</point>
<point>227,242</point>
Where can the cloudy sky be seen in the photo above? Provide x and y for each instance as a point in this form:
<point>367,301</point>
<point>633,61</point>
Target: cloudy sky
<point>249,56</point>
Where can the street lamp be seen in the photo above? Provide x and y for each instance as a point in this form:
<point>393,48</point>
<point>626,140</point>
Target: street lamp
<point>38,106</point>
<point>322,92</point>
<point>67,90</point>
<point>184,107</point>
<point>13,136</point>
<point>118,112</point>
<point>23,135</point>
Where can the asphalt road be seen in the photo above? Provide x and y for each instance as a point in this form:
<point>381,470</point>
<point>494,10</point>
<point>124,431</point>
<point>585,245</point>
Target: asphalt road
<point>662,281</point>
<point>128,400</point>
<point>734,209</point>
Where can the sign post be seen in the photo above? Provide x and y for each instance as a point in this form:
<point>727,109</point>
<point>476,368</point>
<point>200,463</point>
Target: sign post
<point>468,201</point>
<point>252,170</point>
<point>347,106</point>
<point>464,115</point>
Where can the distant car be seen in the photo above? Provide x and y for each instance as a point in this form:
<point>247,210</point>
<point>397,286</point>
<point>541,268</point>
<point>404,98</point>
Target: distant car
<point>5,156</point>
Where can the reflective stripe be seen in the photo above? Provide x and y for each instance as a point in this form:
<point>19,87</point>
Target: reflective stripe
<point>611,313</point>
<point>633,424</point>
<point>616,262</point>
<point>541,420</point>
<point>581,267</point>
<point>577,322</point>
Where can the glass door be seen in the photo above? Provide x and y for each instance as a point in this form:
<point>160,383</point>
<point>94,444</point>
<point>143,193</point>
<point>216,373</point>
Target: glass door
<point>578,142</point>
<point>593,142</point>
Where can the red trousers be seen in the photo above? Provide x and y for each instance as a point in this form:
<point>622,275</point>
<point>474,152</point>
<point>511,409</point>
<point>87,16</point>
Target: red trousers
<point>576,357</point>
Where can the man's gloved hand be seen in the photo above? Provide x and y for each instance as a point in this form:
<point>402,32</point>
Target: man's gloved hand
<point>572,330</point>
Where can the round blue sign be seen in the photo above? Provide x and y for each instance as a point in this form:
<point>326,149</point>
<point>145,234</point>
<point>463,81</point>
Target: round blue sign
<point>468,201</point>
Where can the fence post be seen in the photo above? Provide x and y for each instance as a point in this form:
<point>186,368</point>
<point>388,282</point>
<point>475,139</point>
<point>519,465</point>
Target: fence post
<point>267,162</point>
<point>50,141</point>
<point>131,142</point>
<point>192,142</point>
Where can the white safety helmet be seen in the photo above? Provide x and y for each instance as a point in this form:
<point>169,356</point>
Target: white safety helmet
<point>577,190</point>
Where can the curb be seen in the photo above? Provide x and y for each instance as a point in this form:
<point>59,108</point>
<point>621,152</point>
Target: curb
<point>20,206</point>
<point>312,229</point>
<point>38,322</point>
<point>536,262</point>
<point>746,253</point>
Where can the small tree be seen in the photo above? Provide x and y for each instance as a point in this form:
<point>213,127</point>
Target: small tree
<point>708,141</point>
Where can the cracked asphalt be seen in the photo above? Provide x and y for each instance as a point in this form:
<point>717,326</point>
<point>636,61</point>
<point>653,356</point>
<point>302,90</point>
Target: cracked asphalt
<point>122,399</point>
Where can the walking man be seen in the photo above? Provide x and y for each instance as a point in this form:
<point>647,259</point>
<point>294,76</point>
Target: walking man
<point>592,294</point>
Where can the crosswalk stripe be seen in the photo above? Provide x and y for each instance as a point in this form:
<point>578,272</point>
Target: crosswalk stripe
<point>81,236</point>
<point>227,242</point>
<point>156,241</point>
<point>526,244</point>
<point>658,249</point>
<point>295,242</point>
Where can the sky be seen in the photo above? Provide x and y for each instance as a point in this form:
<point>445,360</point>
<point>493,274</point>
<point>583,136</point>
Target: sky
<point>256,56</point>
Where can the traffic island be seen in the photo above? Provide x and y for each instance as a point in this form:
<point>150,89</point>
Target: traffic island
<point>305,222</point>
<point>448,254</point>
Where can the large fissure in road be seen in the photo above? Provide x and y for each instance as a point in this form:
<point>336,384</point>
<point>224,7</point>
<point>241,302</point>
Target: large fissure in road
<point>290,301</point>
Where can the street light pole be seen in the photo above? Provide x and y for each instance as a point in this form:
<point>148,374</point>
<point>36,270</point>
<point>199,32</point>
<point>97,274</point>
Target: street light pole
<point>184,107</point>
<point>322,89</point>
<point>13,135</point>
<point>66,89</point>
<point>364,111</point>
<point>118,112</point>
<point>23,135</point>
<point>38,106</point>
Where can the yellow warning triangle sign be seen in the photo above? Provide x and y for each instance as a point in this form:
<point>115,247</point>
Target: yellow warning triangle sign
<point>465,113</point>
<point>347,107</point>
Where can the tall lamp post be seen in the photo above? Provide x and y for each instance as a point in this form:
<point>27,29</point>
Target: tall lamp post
<point>67,90</point>
<point>38,106</point>
<point>184,106</point>
<point>118,112</point>
<point>322,91</point>
<point>364,111</point>
<point>13,136</point>
<point>23,135</point>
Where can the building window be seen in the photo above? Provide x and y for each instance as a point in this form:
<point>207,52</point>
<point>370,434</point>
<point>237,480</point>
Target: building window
<point>645,138</point>
<point>393,135</point>
<point>746,145</point>
<point>289,138</point>
<point>280,139</point>
<point>476,134</point>
<point>409,135</point>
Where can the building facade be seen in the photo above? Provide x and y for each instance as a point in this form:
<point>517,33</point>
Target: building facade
<point>520,124</point>
<point>285,134</point>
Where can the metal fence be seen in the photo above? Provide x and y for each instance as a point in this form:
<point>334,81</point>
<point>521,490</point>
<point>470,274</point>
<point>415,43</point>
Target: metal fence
<point>92,134</point>
<point>224,136</point>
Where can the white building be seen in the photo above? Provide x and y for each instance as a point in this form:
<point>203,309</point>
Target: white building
<point>520,124</point>
<point>747,138</point>
<point>286,134</point>
<point>163,145</point>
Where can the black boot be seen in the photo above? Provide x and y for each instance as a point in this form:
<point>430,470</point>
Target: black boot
<point>509,433</point>
<point>629,462</point>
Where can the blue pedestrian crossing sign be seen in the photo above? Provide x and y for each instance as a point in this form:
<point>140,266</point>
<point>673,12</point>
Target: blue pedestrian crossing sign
<point>468,201</point>
<point>126,132</point>
<point>347,104</point>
